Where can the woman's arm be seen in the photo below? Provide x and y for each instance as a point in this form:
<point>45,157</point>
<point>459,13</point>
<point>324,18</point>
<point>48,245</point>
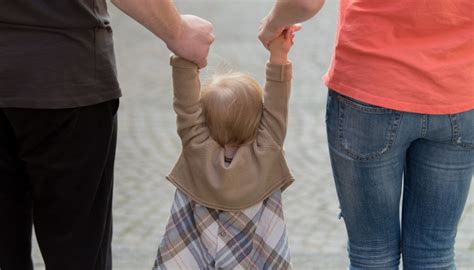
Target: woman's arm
<point>285,13</point>
<point>186,103</point>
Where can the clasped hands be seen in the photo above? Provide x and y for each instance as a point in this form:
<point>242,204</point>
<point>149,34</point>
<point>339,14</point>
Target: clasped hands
<point>196,36</point>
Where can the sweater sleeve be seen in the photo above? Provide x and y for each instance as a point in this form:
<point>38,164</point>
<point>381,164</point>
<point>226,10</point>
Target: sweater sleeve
<point>275,105</point>
<point>186,102</point>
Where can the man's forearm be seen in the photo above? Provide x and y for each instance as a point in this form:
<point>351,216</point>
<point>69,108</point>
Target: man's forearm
<point>158,16</point>
<point>185,35</point>
<point>289,12</point>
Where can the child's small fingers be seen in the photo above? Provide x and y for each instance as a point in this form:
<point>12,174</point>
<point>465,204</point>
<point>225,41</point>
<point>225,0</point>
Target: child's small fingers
<point>290,34</point>
<point>296,27</point>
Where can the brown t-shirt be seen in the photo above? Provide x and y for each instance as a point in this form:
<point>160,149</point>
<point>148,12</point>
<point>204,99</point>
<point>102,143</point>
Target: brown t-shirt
<point>56,54</point>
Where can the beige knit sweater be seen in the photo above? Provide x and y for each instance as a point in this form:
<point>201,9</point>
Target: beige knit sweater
<point>257,169</point>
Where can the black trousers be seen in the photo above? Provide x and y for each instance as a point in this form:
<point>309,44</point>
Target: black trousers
<point>56,174</point>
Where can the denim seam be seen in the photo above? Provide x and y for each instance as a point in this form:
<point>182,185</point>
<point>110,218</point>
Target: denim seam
<point>456,127</point>
<point>396,127</point>
<point>424,125</point>
<point>340,125</point>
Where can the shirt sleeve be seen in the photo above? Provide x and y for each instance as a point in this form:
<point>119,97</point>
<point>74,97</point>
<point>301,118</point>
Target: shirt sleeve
<point>275,105</point>
<point>186,102</point>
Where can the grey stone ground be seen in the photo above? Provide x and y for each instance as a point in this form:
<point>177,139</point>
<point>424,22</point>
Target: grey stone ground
<point>148,145</point>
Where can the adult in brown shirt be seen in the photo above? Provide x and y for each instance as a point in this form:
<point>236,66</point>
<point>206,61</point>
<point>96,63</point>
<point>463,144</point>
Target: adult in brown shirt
<point>58,101</point>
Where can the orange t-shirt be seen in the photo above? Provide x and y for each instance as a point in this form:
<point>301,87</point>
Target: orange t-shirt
<point>408,55</point>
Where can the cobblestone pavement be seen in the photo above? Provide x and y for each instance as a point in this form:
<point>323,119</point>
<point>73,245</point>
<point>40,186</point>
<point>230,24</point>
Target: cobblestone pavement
<point>148,145</point>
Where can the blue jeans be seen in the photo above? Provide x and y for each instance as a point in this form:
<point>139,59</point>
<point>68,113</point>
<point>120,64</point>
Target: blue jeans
<point>380,157</point>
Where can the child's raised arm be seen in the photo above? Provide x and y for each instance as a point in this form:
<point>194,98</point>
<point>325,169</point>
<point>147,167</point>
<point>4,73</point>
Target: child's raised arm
<point>186,88</point>
<point>278,87</point>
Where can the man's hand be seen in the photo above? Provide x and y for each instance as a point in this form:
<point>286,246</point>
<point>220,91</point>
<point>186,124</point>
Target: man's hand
<point>280,47</point>
<point>185,35</point>
<point>193,41</point>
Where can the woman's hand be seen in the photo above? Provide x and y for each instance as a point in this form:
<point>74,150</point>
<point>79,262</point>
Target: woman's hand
<point>280,46</point>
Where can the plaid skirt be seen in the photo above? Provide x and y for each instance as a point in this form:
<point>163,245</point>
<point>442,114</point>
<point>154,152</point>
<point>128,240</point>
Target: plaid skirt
<point>198,237</point>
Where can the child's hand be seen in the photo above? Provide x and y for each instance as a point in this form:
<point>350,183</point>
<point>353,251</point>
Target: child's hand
<point>280,47</point>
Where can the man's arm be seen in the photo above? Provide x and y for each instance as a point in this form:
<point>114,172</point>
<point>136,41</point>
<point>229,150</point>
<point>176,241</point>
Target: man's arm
<point>284,14</point>
<point>185,35</point>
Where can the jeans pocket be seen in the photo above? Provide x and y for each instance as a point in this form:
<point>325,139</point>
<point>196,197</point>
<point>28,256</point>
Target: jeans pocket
<point>365,131</point>
<point>463,129</point>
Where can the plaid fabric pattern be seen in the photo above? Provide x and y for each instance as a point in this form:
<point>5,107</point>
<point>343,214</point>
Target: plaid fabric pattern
<point>198,238</point>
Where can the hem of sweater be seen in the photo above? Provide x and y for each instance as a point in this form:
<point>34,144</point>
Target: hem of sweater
<point>282,185</point>
<point>397,105</point>
<point>60,103</point>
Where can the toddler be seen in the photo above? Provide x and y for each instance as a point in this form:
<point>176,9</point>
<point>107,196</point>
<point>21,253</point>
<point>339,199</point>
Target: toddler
<point>227,211</point>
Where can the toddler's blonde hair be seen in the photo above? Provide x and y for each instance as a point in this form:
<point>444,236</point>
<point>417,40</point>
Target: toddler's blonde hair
<point>232,105</point>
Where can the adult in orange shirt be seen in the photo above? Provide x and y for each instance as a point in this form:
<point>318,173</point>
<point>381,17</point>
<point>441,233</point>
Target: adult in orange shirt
<point>400,120</point>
